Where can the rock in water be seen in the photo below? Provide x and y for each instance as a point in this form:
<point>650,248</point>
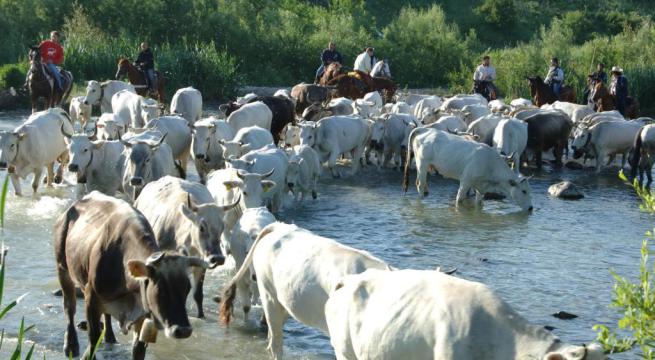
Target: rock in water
<point>565,190</point>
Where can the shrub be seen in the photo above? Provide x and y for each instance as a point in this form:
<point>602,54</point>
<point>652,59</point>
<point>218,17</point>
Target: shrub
<point>12,75</point>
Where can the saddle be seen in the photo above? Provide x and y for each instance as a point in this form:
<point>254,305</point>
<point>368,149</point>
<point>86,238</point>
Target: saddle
<point>359,82</point>
<point>50,77</point>
<point>145,76</point>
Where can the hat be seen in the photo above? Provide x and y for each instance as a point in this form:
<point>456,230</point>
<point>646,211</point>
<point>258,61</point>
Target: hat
<point>617,69</point>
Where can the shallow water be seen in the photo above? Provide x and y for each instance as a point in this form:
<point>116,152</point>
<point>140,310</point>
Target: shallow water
<point>556,259</point>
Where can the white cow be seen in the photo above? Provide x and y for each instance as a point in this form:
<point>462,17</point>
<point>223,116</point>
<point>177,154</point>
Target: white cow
<point>187,102</point>
<point>363,108</point>
<point>110,127</point>
<point>418,314</point>
<point>128,107</point>
<point>206,149</point>
<point>253,138</point>
<point>376,99</point>
<point>520,102</point>
<point>98,165</point>
<point>576,112</point>
<point>457,102</point>
<point>510,139</point>
<point>401,108</point>
<point>251,114</point>
<point>484,128</point>
<point>473,112</point>
<point>250,224</point>
<point>284,93</point>
<point>38,142</point>
<point>389,137</point>
<point>450,123</point>
<point>295,271</point>
<point>340,106</point>
<point>150,109</point>
<point>604,139</point>
<point>303,172</point>
<point>497,106</point>
<point>178,136</point>
<point>241,100</point>
<point>336,135</point>
<point>146,161</point>
<point>476,166</point>
<point>79,111</point>
<point>291,135</point>
<point>101,93</point>
<point>643,155</point>
<point>429,103</point>
<point>412,99</point>
<point>185,218</point>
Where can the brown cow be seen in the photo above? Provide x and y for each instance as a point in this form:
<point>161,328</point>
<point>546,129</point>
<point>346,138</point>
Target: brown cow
<point>307,94</point>
<point>107,248</point>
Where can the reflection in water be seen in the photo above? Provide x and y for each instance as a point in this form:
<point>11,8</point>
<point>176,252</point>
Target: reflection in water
<point>556,259</point>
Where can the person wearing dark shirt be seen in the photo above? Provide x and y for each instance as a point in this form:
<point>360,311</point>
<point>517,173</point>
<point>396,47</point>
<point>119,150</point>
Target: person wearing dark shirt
<point>619,88</point>
<point>146,62</point>
<point>328,56</point>
<point>594,78</point>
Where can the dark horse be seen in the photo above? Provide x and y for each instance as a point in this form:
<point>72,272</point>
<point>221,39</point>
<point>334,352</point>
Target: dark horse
<point>138,79</point>
<point>355,84</point>
<point>331,71</point>
<point>42,84</point>
<point>542,93</point>
<point>606,101</point>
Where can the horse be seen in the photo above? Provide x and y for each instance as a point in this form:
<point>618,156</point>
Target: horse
<point>542,93</point>
<point>606,101</point>
<point>386,86</point>
<point>333,70</point>
<point>356,84</point>
<point>138,79</point>
<point>381,69</point>
<point>41,84</point>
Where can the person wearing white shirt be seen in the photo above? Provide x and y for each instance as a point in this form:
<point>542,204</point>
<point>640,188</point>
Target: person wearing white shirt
<point>483,78</point>
<point>555,77</point>
<point>365,60</point>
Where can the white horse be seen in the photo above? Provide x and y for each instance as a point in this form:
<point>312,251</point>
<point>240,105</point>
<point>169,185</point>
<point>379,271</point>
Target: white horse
<point>381,69</point>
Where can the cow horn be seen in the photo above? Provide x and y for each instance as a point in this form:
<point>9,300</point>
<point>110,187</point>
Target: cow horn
<point>95,132</point>
<point>266,175</point>
<point>196,262</point>
<point>67,135</point>
<point>162,139</point>
<point>241,174</point>
<point>155,258</point>
<point>188,201</point>
<point>230,206</point>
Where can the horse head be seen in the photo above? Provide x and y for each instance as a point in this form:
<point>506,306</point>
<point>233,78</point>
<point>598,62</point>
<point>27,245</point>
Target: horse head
<point>123,65</point>
<point>600,91</point>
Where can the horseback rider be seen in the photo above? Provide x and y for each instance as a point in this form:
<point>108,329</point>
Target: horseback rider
<point>484,77</point>
<point>555,77</point>
<point>365,60</point>
<point>146,63</point>
<point>594,78</point>
<point>619,88</point>
<point>52,54</point>
<point>328,56</point>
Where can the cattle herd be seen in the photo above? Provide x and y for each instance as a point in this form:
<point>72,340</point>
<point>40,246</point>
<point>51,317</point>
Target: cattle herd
<point>137,256</point>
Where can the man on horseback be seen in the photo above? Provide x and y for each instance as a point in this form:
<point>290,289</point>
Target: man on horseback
<point>365,60</point>
<point>328,56</point>
<point>619,88</point>
<point>594,78</point>
<point>555,77</point>
<point>52,54</point>
<point>483,79</point>
<point>146,63</point>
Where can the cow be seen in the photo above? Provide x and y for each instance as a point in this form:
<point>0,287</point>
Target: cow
<point>187,103</point>
<point>295,271</point>
<point>284,93</point>
<point>107,248</point>
<point>150,109</point>
<point>250,224</point>
<point>128,107</point>
<point>548,130</point>
<point>185,218</point>
<point>401,108</point>
<point>389,138</point>
<point>307,94</point>
<point>241,100</point>
<point>457,102</point>
<point>643,155</point>
<point>110,127</point>
<point>497,106</point>
<point>412,99</point>
<point>282,111</point>
<point>519,103</point>
<point>510,139</point>
<point>265,160</point>
<point>251,114</point>
<point>291,136</point>
<point>178,135</point>
<point>336,135</point>
<point>376,99</point>
<point>79,111</point>
<point>38,142</point>
<point>303,172</point>
<point>429,103</point>
<point>484,128</point>
<point>246,139</point>
<point>145,161</point>
<point>474,112</point>
<point>422,314</point>
<point>98,165</point>
<point>206,150</point>
<point>101,93</point>
<point>576,112</point>
<point>363,108</point>
<point>450,123</point>
<point>476,166</point>
<point>604,139</point>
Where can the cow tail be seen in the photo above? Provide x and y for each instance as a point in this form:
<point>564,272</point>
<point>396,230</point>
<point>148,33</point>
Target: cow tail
<point>636,154</point>
<point>408,160</point>
<point>229,294</point>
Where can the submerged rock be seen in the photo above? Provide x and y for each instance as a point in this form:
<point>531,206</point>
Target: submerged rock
<point>565,190</point>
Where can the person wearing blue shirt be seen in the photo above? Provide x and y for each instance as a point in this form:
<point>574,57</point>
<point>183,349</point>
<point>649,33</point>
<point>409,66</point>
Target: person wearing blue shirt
<point>328,56</point>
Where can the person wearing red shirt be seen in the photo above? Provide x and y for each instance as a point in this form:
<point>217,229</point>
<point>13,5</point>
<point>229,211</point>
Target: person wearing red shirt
<point>52,54</point>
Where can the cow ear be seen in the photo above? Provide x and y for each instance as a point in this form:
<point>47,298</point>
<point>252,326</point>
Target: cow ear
<point>512,183</point>
<point>188,213</point>
<point>20,136</point>
<point>267,185</point>
<point>138,269</point>
<point>229,185</point>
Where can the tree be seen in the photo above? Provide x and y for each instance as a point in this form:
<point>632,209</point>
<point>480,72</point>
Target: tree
<point>499,13</point>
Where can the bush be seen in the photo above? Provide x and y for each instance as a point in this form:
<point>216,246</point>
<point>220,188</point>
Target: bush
<point>12,75</point>
<point>500,13</point>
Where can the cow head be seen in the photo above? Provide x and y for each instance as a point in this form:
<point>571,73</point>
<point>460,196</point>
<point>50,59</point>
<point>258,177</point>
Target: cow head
<point>150,109</point>
<point>377,132</point>
<point>109,129</point>
<point>292,135</point>
<point>140,163</point>
<point>93,93</point>
<point>233,148</point>
<point>207,223</point>
<point>252,187</point>
<point>577,352</point>
<point>519,191</point>
<point>81,150</point>
<point>580,142</point>
<point>307,134</point>
<point>293,173</point>
<point>363,107</point>
<point>9,144</point>
<point>164,289</point>
<point>202,139</point>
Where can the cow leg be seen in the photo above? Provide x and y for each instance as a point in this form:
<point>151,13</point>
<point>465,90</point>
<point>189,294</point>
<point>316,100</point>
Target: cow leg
<point>275,316</point>
<point>332,163</point>
<point>421,176</point>
<point>357,154</point>
<point>37,177</point>
<point>198,281</point>
<point>623,159</point>
<point>245,295</point>
<point>462,192</point>
<point>600,156</point>
<point>537,157</point>
<point>649,175</point>
<point>15,181</point>
<point>92,319</point>
<point>478,199</point>
<point>314,186</point>
<point>50,174</point>
<point>517,163</point>
<point>559,153</point>
<point>610,160</point>
<point>63,163</point>
<point>71,345</point>
<point>138,347</point>
<point>110,338</point>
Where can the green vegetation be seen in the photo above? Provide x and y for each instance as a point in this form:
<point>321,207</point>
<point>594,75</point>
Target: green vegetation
<point>635,300</point>
<point>217,45</point>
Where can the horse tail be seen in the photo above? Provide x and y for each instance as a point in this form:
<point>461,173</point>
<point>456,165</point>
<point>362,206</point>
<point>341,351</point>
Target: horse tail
<point>68,91</point>
<point>408,159</point>
<point>636,154</point>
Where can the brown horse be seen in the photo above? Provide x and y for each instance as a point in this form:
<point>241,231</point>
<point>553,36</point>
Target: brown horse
<point>542,94</point>
<point>42,85</point>
<point>386,86</point>
<point>606,102</point>
<point>331,71</point>
<point>138,79</point>
<point>356,84</point>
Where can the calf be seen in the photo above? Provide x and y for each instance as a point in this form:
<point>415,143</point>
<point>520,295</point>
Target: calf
<point>510,139</point>
<point>79,111</point>
<point>206,149</point>
<point>110,127</point>
<point>303,172</point>
<point>145,161</point>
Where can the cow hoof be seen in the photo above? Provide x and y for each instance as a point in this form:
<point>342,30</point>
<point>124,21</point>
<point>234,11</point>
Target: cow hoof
<point>110,338</point>
<point>139,351</point>
<point>201,314</point>
<point>217,299</point>
<point>82,325</point>
<point>426,193</point>
<point>314,195</point>
<point>58,179</point>
<point>71,346</point>
<point>58,292</point>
